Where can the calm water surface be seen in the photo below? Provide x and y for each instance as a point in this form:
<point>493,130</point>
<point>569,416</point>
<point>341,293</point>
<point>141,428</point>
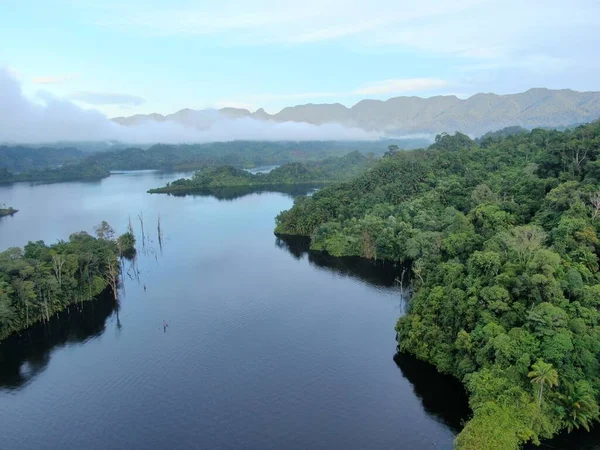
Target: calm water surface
<point>267,346</point>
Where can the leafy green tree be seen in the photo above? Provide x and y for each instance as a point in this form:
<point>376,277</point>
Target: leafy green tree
<point>504,244</point>
<point>543,374</point>
<point>580,407</point>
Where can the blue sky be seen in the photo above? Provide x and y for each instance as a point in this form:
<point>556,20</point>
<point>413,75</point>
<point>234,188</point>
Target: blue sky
<point>127,57</point>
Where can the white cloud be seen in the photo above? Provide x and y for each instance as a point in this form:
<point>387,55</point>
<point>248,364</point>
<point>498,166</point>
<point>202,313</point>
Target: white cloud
<point>273,21</point>
<point>336,32</point>
<point>167,22</point>
<point>50,119</point>
<point>14,73</point>
<point>53,79</point>
<point>401,86</point>
<point>472,30</point>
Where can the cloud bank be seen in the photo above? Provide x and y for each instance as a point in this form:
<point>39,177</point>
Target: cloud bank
<point>51,119</point>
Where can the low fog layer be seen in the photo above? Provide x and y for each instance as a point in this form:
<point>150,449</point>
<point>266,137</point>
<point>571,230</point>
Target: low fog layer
<point>53,119</point>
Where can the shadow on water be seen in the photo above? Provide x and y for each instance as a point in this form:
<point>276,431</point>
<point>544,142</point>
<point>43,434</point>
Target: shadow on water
<point>578,439</point>
<point>235,192</point>
<point>383,274</point>
<point>442,396</point>
<point>25,356</point>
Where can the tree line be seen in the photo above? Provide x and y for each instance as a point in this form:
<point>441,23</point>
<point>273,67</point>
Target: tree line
<point>503,240</point>
<point>327,170</point>
<point>39,280</point>
<point>46,164</point>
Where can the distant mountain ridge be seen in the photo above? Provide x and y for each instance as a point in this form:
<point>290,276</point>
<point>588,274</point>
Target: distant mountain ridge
<point>480,113</point>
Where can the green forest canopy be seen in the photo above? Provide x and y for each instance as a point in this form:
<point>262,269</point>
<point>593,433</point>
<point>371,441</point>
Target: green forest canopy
<point>39,280</point>
<point>503,241</point>
<point>20,163</point>
<point>328,170</point>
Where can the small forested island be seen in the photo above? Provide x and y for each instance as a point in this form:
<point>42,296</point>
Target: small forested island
<point>38,280</point>
<point>4,211</point>
<point>503,240</point>
<point>328,170</point>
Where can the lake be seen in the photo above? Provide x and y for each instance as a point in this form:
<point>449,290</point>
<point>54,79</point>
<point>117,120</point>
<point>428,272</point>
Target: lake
<point>267,345</point>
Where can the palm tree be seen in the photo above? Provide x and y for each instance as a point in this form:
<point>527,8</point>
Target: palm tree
<point>543,374</point>
<point>580,406</point>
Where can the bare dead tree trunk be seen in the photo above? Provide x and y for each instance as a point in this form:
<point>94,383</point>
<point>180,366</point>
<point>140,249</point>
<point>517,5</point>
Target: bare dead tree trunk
<point>141,218</point>
<point>112,277</point>
<point>579,156</point>
<point>160,235</point>
<point>58,261</point>
<point>46,306</point>
<point>595,200</point>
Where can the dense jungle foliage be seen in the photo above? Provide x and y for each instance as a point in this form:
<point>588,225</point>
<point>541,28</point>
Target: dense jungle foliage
<point>503,241</point>
<point>69,172</point>
<point>46,164</point>
<point>38,280</point>
<point>328,170</point>
<point>240,154</point>
<point>22,159</point>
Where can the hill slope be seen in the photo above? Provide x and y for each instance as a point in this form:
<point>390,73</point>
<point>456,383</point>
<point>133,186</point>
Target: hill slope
<point>406,115</point>
<point>503,242</point>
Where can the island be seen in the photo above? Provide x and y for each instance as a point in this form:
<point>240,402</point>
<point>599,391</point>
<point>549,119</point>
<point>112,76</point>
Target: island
<point>4,211</point>
<point>40,280</point>
<point>312,172</point>
<point>502,237</point>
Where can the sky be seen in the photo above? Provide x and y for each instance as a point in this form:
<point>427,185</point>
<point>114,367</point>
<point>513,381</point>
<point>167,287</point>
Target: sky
<point>127,57</point>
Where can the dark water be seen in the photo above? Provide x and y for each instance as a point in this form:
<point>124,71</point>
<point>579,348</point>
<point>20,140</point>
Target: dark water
<point>267,345</point>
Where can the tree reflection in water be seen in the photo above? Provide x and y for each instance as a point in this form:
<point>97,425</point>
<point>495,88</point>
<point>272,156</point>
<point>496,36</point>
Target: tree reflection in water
<point>23,357</point>
<point>442,396</point>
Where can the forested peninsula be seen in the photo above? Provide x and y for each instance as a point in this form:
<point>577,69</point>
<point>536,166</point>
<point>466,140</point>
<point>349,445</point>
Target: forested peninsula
<point>38,280</point>
<point>503,239</point>
<point>326,171</point>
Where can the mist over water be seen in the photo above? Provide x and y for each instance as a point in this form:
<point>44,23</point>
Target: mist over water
<point>51,119</point>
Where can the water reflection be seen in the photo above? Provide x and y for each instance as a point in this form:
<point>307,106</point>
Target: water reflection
<point>236,192</point>
<point>579,439</point>
<point>383,274</point>
<point>25,356</point>
<point>442,396</point>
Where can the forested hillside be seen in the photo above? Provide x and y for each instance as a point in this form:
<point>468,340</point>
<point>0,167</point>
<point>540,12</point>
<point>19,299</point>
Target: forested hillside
<point>326,171</point>
<point>503,242</point>
<point>64,164</point>
<point>21,159</point>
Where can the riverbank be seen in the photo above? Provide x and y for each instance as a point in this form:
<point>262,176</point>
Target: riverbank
<point>503,239</point>
<point>39,281</point>
<point>319,369</point>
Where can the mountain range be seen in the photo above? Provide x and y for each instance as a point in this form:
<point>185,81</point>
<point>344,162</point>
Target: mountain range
<point>475,115</point>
